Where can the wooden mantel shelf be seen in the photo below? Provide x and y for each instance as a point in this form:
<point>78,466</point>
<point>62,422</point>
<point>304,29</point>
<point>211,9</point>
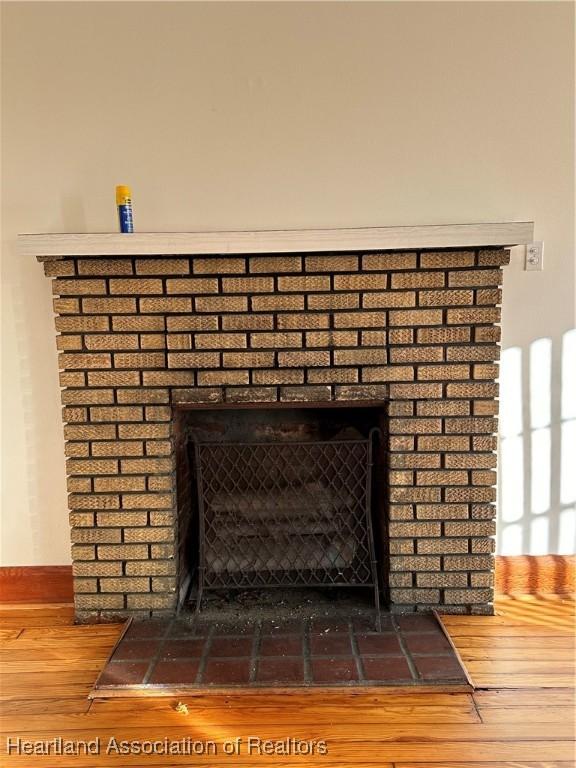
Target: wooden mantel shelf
<point>46,247</point>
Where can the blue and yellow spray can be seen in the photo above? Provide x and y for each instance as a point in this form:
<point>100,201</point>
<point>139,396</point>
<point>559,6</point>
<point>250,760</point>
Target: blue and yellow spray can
<point>124,204</point>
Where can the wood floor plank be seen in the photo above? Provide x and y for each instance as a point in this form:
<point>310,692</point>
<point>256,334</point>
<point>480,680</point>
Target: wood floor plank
<point>285,714</point>
<point>19,622</point>
<point>512,617</point>
<point>72,631</point>
<point>523,681</point>
<point>507,764</point>
<point>541,609</point>
<point>55,666</point>
<point>520,630</point>
<point>21,649</point>
<point>49,685</point>
<point>528,642</point>
<point>528,715</point>
<point>521,666</point>
<point>553,697</point>
<point>25,610</point>
<point>27,681</point>
<point>348,753</point>
<point>47,693</point>
<point>59,705</point>
<point>340,732</point>
<point>514,653</point>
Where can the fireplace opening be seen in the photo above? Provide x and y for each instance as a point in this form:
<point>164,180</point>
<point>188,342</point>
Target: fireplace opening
<point>281,507</point>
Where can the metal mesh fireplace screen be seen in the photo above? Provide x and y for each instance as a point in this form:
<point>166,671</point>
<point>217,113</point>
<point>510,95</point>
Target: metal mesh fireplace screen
<point>285,514</point>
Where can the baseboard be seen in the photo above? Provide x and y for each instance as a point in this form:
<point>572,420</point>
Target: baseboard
<point>522,574</point>
<point>535,574</point>
<point>36,584</point>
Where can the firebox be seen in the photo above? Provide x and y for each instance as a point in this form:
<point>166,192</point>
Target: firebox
<point>211,390</point>
<point>283,498</point>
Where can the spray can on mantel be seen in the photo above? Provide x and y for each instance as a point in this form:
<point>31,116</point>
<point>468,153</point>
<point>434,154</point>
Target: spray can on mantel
<point>124,204</point>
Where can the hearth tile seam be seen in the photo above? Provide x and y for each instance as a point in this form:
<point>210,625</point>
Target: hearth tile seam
<point>204,657</point>
<point>306,654</point>
<point>356,653</point>
<point>255,657</point>
<point>411,665</point>
<point>158,655</point>
<point>447,654</point>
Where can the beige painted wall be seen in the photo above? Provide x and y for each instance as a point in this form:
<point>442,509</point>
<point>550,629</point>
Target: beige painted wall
<point>268,115</point>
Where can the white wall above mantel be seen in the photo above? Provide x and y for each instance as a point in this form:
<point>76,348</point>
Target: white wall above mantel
<point>46,247</point>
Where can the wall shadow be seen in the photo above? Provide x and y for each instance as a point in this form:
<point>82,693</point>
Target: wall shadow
<point>537,450</point>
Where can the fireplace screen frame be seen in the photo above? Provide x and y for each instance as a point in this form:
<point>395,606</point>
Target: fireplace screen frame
<point>222,566</point>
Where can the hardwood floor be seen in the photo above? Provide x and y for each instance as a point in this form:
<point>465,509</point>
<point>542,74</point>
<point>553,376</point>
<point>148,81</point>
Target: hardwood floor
<point>521,715</point>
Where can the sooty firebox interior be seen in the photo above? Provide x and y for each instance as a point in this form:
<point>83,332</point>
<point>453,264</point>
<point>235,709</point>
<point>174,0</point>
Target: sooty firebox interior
<point>280,498</point>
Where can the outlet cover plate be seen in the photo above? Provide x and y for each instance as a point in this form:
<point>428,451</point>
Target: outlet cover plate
<point>534,256</point>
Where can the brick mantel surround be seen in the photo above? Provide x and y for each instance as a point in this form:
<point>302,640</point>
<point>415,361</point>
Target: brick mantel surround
<point>402,316</point>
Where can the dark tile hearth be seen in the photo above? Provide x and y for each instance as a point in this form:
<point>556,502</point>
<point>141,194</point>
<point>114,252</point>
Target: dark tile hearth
<point>123,673</point>
<point>225,672</point>
<point>436,667</point>
<point>333,669</point>
<point>138,649</point>
<point>282,645</point>
<point>183,648</point>
<point>384,643</point>
<point>308,653</point>
<point>177,672</point>
<point>386,668</point>
<point>288,670</point>
<point>338,644</point>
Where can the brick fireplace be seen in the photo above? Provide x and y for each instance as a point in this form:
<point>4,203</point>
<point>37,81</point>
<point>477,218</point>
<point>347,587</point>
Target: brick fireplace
<point>148,329</point>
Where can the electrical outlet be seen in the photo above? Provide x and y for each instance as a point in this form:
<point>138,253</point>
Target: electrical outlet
<point>534,256</point>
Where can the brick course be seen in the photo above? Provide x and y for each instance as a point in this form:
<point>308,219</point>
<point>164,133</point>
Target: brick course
<point>415,331</point>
